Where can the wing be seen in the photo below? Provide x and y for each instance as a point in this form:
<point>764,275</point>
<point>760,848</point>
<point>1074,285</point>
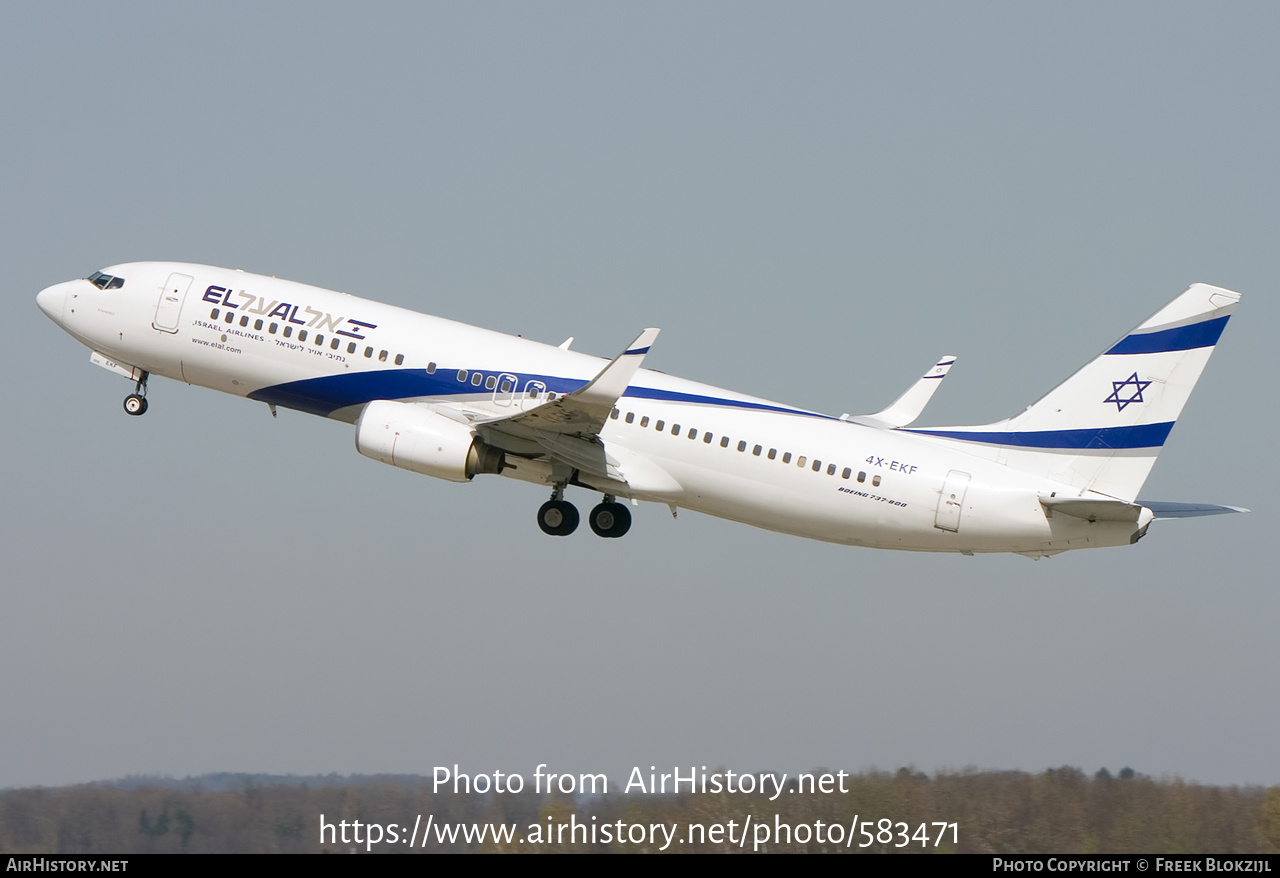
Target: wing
<point>567,428</point>
<point>583,412</point>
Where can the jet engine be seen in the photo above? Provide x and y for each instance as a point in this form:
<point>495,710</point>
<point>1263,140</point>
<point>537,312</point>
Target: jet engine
<point>415,438</point>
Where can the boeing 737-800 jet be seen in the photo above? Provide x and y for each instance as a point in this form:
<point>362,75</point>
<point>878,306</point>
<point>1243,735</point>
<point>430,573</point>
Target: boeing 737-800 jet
<point>454,401</point>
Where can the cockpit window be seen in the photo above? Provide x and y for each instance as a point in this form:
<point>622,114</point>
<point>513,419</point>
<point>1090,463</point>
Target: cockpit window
<point>106,281</point>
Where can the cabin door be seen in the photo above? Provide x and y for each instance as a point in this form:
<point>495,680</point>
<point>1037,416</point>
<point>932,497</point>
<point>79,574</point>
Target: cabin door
<point>952,501</point>
<point>170,305</point>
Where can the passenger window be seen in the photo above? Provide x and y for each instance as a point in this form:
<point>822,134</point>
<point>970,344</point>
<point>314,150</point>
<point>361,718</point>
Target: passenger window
<point>659,425</point>
<point>491,382</point>
<point>862,477</point>
<point>399,359</point>
<point>431,368</point>
<point>351,347</point>
<point>613,415</point>
<point>335,344</point>
<point>875,480</point>
<point>773,453</point>
<point>693,434</point>
<point>272,328</point>
<point>631,417</point>
<point>644,422</point>
<point>213,315</point>
<point>817,465</point>
<point>847,472</point>
<point>707,437</point>
<point>786,458</point>
<point>800,461</point>
<point>244,321</point>
<point>462,373</point>
<point>675,429</point>
<point>476,379</point>
<point>756,451</point>
<point>257,326</point>
<point>302,335</point>
<point>724,441</point>
<point>831,469</point>
<point>742,444</point>
<point>382,356</point>
<point>319,340</point>
<point>231,318</point>
<point>288,331</point>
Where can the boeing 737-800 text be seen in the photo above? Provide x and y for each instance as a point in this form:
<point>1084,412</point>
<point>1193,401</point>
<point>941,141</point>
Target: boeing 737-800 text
<point>454,401</point>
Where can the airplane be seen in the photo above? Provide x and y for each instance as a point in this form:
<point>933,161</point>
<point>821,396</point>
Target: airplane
<point>454,401</point>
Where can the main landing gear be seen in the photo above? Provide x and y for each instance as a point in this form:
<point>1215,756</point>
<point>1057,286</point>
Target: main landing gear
<point>136,402</point>
<point>559,518</point>
<point>610,519</point>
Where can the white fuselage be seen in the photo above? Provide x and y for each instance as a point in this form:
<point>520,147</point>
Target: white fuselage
<point>768,465</point>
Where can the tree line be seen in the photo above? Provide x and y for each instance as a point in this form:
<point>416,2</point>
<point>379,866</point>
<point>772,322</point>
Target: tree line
<point>997,812</point>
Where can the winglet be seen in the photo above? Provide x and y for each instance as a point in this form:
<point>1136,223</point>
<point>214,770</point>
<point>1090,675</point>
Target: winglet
<point>906,408</point>
<point>613,380</point>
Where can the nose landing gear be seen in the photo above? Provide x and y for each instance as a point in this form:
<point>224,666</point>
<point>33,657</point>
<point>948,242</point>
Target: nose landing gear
<point>136,403</point>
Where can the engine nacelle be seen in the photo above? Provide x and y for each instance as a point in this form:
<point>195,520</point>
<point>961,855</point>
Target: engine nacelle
<point>415,438</point>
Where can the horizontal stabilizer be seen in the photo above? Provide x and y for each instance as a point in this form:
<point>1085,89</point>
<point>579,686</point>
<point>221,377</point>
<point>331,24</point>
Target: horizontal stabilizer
<point>1187,510</point>
<point>906,408</point>
<point>1100,509</point>
<point>1092,508</point>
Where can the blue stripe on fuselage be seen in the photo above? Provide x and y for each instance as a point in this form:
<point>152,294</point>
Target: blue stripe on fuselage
<point>326,394</point>
<point>1139,436</point>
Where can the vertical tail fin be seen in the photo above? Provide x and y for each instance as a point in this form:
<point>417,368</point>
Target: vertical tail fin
<point>1102,428</point>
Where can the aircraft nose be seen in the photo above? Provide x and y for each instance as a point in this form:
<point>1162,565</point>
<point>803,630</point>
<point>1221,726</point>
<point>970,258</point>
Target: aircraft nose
<point>51,300</point>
